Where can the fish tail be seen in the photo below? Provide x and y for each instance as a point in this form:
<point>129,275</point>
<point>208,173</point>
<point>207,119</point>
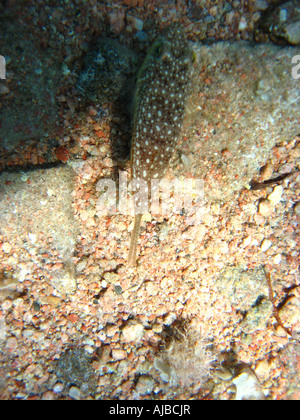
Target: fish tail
<point>134,239</point>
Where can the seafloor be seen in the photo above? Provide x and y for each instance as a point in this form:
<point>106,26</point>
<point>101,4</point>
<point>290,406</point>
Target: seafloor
<point>212,309</point>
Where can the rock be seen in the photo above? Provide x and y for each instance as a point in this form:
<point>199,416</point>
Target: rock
<point>248,386</point>
<point>118,354</point>
<point>58,387</point>
<point>4,89</point>
<point>134,3</point>
<point>141,36</point>
<point>74,368</point>
<point>3,330</point>
<point>263,370</point>
<point>8,285</point>
<point>132,332</point>
<point>48,396</point>
<point>63,279</point>
<point>243,287</point>
<point>276,195</point>
<point>117,20</point>
<point>111,278</point>
<point>282,23</point>
<point>297,209</point>
<point>265,245</point>
<point>11,343</point>
<point>136,23</point>
<point>292,33</point>
<point>265,208</point>
<point>145,385</point>
<point>266,171</point>
<point>6,247</point>
<point>75,393</point>
<point>242,24</point>
<point>277,259</point>
<point>257,317</point>
<point>261,4</point>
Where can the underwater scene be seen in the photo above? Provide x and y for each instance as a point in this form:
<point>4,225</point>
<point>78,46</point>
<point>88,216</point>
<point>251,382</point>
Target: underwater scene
<point>149,200</point>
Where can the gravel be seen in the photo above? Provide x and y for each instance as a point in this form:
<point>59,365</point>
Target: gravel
<point>75,321</point>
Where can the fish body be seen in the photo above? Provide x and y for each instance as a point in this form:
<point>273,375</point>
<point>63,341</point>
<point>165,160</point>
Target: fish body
<point>162,89</point>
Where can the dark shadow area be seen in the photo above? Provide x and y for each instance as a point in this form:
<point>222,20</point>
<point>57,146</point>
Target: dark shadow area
<point>101,73</point>
<point>108,76</point>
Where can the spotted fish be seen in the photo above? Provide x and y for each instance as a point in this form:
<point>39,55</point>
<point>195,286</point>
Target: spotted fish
<point>162,89</point>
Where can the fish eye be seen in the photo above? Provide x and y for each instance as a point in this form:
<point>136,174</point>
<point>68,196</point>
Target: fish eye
<point>157,50</point>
